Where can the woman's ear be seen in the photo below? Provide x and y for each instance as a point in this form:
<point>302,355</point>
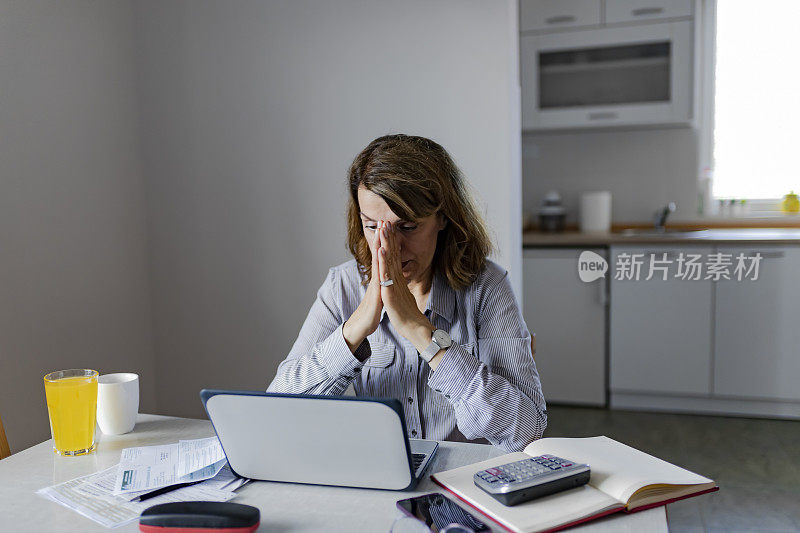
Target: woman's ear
<point>442,221</point>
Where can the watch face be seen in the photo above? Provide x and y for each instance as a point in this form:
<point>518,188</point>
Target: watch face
<point>442,338</point>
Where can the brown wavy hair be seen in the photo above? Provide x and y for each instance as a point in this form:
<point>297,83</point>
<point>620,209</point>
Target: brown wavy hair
<point>417,178</point>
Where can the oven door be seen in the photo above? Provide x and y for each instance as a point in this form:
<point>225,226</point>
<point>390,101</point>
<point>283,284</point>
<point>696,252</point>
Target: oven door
<point>626,76</point>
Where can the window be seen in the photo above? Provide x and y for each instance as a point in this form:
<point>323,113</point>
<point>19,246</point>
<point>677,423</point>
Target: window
<point>756,99</point>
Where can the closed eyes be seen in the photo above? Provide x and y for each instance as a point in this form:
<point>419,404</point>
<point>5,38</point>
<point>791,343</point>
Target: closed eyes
<point>404,227</point>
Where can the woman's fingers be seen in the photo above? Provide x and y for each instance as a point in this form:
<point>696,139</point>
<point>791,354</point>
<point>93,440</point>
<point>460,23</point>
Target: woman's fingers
<point>382,263</point>
<point>384,249</point>
<point>376,244</point>
<point>393,252</point>
<point>390,260</point>
<point>393,263</point>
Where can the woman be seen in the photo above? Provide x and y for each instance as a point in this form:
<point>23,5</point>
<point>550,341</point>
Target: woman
<point>420,314</point>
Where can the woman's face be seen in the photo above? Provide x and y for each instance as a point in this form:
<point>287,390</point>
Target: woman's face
<point>416,238</point>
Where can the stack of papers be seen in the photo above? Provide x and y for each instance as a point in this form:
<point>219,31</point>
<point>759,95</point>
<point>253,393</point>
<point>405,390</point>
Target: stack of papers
<point>111,497</point>
<point>152,467</point>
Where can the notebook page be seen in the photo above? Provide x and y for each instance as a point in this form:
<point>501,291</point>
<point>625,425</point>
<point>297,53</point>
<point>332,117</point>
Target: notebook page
<point>536,515</point>
<point>617,469</point>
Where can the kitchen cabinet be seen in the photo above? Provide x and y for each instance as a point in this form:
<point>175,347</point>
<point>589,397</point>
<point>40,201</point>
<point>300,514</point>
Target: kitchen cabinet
<point>757,346</point>
<point>630,69</point>
<point>726,346</point>
<point>569,319</point>
<point>557,14</point>
<point>660,330</point>
<point>644,10</point>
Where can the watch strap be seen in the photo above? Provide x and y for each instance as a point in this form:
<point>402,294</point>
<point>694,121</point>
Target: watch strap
<point>433,348</point>
<point>430,351</point>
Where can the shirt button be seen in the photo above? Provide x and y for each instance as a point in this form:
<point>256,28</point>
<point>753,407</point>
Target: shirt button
<point>438,390</point>
<point>413,432</point>
<point>356,370</point>
<point>447,396</point>
<point>410,399</point>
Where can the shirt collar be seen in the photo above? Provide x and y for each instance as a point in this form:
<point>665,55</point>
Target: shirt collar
<point>441,300</point>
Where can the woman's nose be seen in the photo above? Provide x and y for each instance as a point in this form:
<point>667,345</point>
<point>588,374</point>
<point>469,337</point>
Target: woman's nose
<point>399,239</point>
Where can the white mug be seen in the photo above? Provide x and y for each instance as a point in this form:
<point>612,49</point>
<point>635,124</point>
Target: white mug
<point>117,402</point>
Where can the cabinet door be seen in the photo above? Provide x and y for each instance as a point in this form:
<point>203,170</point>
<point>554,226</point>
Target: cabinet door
<point>624,76</point>
<point>569,319</point>
<point>660,330</point>
<point>757,343</point>
<point>555,14</point>
<point>638,10</point>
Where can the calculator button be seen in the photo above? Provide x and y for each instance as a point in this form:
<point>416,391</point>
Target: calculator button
<point>493,471</point>
<point>566,464</point>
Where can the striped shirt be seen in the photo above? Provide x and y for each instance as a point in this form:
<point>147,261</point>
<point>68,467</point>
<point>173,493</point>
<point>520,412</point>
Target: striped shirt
<point>486,387</point>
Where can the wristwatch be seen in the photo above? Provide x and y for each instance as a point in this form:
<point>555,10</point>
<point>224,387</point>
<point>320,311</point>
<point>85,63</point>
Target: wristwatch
<point>440,340</point>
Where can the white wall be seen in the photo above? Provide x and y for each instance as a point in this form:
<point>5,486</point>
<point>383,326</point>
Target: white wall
<point>643,169</point>
<point>251,114</point>
<point>73,255</point>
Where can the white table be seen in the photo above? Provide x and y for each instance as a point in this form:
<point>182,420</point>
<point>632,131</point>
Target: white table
<point>284,506</point>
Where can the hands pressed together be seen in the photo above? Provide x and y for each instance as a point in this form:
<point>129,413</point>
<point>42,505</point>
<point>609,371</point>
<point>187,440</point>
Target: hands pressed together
<point>401,306</point>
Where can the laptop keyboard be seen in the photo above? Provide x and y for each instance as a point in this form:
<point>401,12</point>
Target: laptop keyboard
<point>417,459</point>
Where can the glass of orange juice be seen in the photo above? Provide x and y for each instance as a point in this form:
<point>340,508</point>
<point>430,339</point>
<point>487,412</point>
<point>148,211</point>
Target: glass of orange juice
<point>72,404</point>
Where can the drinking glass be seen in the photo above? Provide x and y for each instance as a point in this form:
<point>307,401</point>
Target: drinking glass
<point>72,405</point>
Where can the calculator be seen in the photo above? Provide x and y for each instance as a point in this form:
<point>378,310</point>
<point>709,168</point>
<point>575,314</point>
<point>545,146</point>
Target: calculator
<point>531,478</point>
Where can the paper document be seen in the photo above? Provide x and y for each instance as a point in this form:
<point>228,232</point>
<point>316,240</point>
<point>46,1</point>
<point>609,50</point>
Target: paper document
<point>226,480</point>
<point>92,496</point>
<point>151,467</point>
<point>194,455</point>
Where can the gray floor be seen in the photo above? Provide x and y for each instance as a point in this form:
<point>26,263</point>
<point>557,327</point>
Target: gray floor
<point>755,462</point>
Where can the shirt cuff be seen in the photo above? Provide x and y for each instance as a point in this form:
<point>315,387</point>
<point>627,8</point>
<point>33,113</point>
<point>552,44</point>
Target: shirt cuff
<point>457,368</point>
<point>338,359</point>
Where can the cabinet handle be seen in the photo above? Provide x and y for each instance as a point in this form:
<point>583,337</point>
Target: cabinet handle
<point>644,11</point>
<point>605,115</point>
<point>560,19</point>
<point>602,284</point>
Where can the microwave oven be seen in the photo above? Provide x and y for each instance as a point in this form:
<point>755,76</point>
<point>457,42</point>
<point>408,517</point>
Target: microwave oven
<point>609,77</point>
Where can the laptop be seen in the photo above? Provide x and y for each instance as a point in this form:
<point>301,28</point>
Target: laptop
<point>322,440</point>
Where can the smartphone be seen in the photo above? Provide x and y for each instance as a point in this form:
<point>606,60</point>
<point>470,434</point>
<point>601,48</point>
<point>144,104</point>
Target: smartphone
<point>438,512</point>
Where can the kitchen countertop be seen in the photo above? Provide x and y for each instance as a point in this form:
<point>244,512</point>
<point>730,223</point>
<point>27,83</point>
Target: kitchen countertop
<point>706,236</point>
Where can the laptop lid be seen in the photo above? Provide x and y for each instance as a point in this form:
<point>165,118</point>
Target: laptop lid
<point>324,440</point>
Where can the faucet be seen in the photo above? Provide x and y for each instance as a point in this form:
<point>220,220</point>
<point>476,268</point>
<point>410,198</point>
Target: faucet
<point>661,216</point>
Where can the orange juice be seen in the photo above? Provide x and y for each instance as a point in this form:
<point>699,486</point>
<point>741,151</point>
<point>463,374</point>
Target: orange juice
<point>72,404</point>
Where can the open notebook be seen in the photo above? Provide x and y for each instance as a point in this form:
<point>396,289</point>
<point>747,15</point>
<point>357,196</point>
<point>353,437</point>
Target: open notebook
<point>623,479</point>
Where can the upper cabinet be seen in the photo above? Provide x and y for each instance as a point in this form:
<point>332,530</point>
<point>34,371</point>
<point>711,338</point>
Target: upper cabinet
<point>558,14</point>
<point>606,64</point>
<point>643,10</point>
